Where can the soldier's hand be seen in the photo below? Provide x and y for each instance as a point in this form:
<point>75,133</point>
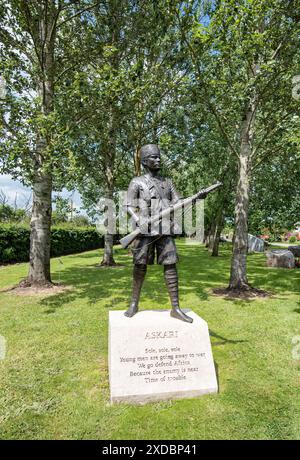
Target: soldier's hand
<point>136,220</point>
<point>202,195</point>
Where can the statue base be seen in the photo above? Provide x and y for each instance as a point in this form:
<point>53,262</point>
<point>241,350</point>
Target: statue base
<point>153,357</point>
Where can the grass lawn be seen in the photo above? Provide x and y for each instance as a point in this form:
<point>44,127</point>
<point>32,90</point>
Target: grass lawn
<point>54,378</point>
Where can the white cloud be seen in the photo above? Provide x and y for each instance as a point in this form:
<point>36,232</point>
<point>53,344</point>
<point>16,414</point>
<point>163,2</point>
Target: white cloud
<point>15,190</point>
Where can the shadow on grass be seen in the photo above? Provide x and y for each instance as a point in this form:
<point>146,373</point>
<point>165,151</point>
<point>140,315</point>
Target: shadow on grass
<point>297,310</point>
<point>224,340</point>
<point>92,284</point>
<point>198,273</point>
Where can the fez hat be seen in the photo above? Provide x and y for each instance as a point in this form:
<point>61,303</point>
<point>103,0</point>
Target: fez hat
<point>147,150</point>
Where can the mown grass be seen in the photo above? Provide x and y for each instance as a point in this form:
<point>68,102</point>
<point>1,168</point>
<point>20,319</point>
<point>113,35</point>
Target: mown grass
<point>54,378</point>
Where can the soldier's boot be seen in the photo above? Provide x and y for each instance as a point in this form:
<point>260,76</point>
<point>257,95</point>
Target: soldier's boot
<point>139,272</point>
<point>171,278</point>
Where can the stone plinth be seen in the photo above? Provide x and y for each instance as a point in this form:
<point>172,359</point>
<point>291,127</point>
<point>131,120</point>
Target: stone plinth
<point>153,356</point>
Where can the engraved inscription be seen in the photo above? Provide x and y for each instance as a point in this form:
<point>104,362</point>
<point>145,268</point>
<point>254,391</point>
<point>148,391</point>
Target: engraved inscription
<point>161,335</point>
<point>162,364</point>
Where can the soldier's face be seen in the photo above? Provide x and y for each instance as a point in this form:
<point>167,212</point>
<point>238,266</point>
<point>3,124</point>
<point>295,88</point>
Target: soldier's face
<point>153,160</point>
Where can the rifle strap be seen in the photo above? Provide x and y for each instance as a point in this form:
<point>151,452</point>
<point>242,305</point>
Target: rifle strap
<point>151,182</point>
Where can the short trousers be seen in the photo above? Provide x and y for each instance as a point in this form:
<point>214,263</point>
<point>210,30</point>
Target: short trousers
<point>144,249</point>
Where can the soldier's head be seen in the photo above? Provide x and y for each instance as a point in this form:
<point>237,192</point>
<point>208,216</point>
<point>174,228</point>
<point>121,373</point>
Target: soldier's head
<point>150,157</point>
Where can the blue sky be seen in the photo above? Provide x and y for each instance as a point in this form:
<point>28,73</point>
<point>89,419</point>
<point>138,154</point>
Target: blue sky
<point>13,189</point>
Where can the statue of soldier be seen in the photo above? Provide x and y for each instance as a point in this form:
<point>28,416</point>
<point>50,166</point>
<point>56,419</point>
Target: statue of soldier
<point>143,191</point>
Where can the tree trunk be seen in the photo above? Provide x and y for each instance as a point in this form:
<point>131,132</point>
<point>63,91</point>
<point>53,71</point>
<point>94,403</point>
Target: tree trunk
<point>238,275</point>
<point>39,271</point>
<point>108,258</point>
<point>213,232</point>
<point>44,36</point>
<point>208,235</point>
<point>219,211</point>
<point>137,160</point>
<point>215,228</point>
<point>216,238</point>
<point>110,153</point>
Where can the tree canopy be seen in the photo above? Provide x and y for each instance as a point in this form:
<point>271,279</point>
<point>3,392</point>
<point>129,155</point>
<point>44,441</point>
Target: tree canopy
<point>214,83</point>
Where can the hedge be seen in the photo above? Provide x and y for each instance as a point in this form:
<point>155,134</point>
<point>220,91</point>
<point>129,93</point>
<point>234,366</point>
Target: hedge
<point>15,241</point>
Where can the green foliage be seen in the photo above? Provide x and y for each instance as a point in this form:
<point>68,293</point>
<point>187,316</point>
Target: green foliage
<point>274,237</point>
<point>24,112</point>
<point>15,240</point>
<point>69,241</point>
<point>123,95</point>
<point>63,209</point>
<point>14,243</point>
<point>65,212</point>
<point>243,51</point>
<point>292,239</point>
<point>10,214</point>
<point>80,221</point>
<point>275,197</point>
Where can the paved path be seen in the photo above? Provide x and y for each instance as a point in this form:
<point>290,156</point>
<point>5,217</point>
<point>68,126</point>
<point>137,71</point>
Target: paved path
<point>283,245</point>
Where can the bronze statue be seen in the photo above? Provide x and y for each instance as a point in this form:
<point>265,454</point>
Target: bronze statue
<point>145,190</point>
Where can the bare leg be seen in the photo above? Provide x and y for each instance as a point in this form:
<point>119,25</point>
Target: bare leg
<point>139,273</point>
<point>171,278</point>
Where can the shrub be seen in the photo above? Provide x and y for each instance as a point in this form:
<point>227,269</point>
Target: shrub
<point>274,238</point>
<point>292,239</point>
<point>72,240</point>
<point>15,241</point>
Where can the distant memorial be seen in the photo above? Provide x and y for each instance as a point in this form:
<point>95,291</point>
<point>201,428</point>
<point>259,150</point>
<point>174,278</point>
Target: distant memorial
<point>255,244</point>
<point>281,258</point>
<point>295,250</point>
